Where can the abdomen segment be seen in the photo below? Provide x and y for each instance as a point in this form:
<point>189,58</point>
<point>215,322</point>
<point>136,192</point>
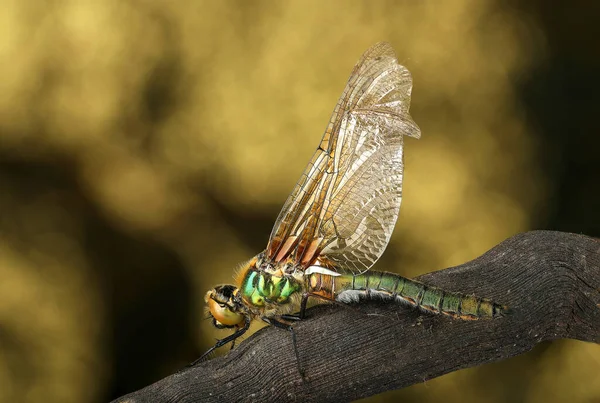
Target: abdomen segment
<point>349,288</point>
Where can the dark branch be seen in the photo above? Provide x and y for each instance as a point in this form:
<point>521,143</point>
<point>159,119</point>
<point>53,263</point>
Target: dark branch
<point>551,280</point>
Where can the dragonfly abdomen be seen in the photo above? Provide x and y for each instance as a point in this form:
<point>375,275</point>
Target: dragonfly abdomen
<point>384,285</point>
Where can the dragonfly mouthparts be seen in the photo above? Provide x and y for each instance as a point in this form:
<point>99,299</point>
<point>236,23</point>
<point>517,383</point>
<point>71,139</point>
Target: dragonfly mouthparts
<point>224,307</point>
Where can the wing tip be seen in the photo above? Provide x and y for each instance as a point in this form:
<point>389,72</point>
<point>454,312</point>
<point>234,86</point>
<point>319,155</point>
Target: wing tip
<point>415,133</point>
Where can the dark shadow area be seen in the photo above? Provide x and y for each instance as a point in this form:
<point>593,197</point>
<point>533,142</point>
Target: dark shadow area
<point>145,286</point>
<point>151,303</point>
<point>561,100</point>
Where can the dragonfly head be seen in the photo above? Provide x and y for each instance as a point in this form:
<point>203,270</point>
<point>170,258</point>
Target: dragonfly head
<point>224,307</point>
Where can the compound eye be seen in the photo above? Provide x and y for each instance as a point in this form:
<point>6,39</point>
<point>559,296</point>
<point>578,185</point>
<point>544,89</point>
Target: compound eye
<point>223,314</point>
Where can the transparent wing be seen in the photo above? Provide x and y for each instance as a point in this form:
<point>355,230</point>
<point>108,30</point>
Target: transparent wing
<point>345,205</point>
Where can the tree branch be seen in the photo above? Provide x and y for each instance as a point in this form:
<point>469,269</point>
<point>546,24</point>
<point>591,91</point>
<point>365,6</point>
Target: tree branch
<point>551,280</point>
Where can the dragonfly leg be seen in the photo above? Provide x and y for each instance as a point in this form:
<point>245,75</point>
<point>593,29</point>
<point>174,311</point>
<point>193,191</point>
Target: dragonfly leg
<point>290,328</point>
<point>303,305</point>
<point>231,338</point>
<point>291,318</point>
<point>302,314</point>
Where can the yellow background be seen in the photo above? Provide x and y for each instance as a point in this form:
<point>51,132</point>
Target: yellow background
<point>147,146</point>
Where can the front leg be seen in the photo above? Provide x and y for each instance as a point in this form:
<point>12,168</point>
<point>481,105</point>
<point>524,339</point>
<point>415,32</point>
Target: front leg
<point>286,326</point>
<point>302,314</point>
<point>231,338</point>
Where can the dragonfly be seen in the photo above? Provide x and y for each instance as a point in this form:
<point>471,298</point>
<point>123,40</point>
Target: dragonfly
<point>339,218</point>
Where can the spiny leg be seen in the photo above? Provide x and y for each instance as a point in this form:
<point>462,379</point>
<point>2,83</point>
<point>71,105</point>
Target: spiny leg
<point>302,314</point>
<point>285,326</point>
<point>222,342</point>
<point>303,305</point>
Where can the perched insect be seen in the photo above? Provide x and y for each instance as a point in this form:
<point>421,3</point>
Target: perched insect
<point>338,220</point>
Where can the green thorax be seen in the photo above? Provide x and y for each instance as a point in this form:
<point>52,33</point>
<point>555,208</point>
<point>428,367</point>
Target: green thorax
<point>259,287</point>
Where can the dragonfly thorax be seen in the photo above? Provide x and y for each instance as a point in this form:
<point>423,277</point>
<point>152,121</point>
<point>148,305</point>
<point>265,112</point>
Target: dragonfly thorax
<point>263,283</point>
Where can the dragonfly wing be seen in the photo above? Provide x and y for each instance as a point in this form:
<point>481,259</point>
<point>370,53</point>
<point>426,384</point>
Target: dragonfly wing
<point>345,205</point>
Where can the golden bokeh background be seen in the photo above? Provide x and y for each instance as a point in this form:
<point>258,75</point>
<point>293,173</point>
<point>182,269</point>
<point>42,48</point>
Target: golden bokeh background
<point>147,146</point>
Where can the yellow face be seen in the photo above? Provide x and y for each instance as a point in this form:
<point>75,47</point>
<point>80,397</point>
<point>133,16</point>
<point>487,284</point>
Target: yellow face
<point>222,307</point>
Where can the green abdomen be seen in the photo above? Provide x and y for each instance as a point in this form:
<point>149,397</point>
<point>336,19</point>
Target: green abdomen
<point>384,285</point>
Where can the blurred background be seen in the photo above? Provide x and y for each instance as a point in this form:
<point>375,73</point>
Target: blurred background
<point>146,148</point>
